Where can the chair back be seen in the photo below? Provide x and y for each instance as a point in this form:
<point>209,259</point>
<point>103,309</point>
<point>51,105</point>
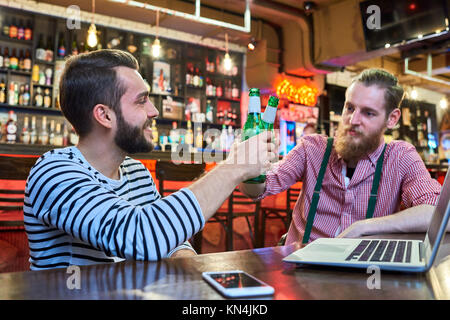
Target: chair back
<point>169,171</point>
<point>11,198</point>
<point>14,250</point>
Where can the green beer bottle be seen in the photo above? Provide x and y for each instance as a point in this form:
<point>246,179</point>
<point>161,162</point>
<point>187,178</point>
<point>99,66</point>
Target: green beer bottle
<point>268,117</point>
<point>251,126</point>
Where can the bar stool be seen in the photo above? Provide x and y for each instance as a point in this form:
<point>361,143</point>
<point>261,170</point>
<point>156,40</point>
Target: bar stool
<point>166,171</point>
<point>14,250</point>
<point>282,213</point>
<point>238,205</point>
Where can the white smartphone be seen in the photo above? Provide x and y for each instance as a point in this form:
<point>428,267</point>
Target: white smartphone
<point>237,284</point>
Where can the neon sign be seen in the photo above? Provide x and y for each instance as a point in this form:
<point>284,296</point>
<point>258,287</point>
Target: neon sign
<point>303,94</point>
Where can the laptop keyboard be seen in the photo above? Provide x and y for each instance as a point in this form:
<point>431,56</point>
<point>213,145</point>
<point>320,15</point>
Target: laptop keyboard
<point>382,250</point>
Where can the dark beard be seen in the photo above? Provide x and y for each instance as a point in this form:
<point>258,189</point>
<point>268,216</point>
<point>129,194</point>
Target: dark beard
<point>350,150</point>
<point>131,139</point>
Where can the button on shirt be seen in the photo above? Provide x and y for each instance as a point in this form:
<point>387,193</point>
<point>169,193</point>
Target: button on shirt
<point>405,182</point>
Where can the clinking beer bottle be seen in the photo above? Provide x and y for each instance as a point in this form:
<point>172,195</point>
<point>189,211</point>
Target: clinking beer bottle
<point>252,125</point>
<point>268,117</point>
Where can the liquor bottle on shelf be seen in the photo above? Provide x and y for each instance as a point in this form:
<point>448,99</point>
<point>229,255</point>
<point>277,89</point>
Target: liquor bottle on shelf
<point>209,111</point>
<point>38,98</point>
<point>3,91</point>
<point>27,61</point>
<point>13,93</point>
<point>40,50</point>
<point>28,34</point>
<point>11,128</point>
<point>61,46</point>
<point>25,136</point>
<point>13,60</point>
<point>196,80</point>
<point>47,101</point>
<point>174,136</point>
<point>65,135</point>
<point>198,138</point>
<point>6,60</point>
<point>44,137</point>
<point>21,95</point>
<point>48,76</point>
<point>219,90</point>
<point>26,95</point>
<point>58,139</point>
<point>33,132</point>
<point>200,79</point>
<point>21,61</point>
<point>49,50</point>
<point>21,31</point>
<point>223,138</point>
<point>13,29</point>
<point>188,75</point>
<point>1,58</point>
<point>230,138</point>
<point>252,124</point>
<point>35,74</point>
<point>155,135</point>
<point>5,29</point>
<point>75,50</point>
<point>189,135</point>
<point>235,91</point>
<point>51,133</point>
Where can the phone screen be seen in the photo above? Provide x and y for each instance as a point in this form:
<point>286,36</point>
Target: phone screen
<point>235,280</point>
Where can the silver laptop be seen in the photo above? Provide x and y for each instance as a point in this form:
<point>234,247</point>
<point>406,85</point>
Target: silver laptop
<point>395,255</point>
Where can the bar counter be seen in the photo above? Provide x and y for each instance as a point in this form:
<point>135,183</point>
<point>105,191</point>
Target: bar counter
<point>180,279</point>
<point>38,150</point>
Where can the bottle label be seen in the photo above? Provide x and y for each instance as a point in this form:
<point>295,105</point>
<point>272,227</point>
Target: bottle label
<point>254,104</point>
<point>269,114</point>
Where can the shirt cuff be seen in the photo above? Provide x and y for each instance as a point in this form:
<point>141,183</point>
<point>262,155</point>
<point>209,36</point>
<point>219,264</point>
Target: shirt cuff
<point>185,245</point>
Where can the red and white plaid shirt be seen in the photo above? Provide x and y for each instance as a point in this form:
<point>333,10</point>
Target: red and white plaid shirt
<point>405,182</point>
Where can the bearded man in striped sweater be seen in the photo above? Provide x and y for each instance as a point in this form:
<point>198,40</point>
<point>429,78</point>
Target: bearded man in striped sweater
<point>92,203</point>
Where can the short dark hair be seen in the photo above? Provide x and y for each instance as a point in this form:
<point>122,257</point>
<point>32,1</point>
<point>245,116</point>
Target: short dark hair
<point>89,79</point>
<point>394,93</point>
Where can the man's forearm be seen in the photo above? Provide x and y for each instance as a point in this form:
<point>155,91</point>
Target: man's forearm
<point>214,188</point>
<point>415,219</point>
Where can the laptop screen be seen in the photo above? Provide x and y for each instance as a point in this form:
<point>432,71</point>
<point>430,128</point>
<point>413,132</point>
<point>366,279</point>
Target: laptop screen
<point>439,213</point>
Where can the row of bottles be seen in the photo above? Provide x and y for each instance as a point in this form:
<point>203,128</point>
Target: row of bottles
<point>193,139</point>
<point>193,76</point>
<point>20,31</point>
<point>18,94</point>
<point>44,53</point>
<point>10,60</point>
<point>228,89</point>
<point>50,133</point>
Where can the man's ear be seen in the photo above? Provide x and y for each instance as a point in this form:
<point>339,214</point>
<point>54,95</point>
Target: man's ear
<point>103,115</point>
<point>393,118</point>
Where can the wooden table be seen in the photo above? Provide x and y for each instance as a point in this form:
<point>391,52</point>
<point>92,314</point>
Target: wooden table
<point>180,279</point>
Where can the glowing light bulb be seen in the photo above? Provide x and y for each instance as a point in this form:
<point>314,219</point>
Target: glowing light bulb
<point>156,48</point>
<point>443,103</point>
<point>414,94</point>
<point>92,36</point>
<point>227,63</point>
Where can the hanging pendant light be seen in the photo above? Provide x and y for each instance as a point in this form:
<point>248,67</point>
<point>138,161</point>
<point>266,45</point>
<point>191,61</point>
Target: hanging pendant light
<point>227,63</point>
<point>92,40</point>
<point>156,47</point>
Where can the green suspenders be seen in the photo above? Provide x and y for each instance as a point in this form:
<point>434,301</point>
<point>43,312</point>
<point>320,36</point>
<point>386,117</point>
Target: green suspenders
<point>318,187</point>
